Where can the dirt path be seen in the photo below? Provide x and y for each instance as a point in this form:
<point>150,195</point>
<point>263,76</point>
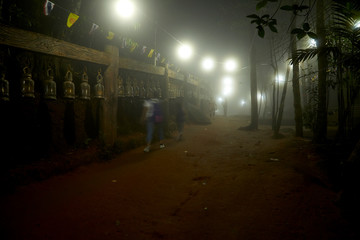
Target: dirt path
<point>218,183</point>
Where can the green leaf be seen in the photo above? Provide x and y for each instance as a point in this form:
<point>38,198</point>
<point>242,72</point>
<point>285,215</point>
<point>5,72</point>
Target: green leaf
<point>286,8</point>
<point>301,35</point>
<point>261,4</point>
<point>267,16</point>
<point>273,21</point>
<point>261,31</point>
<point>263,22</point>
<point>273,28</point>
<point>306,26</point>
<point>302,8</point>
<point>252,16</point>
<point>312,35</point>
<point>297,31</point>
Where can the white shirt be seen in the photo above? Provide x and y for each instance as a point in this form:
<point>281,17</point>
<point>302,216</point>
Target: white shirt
<point>149,104</point>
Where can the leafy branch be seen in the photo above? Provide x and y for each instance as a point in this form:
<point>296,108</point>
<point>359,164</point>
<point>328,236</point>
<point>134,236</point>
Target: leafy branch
<point>262,22</point>
<point>304,31</point>
<point>266,21</point>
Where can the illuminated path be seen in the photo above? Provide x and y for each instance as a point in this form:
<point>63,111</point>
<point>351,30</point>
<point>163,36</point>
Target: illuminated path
<point>218,183</point>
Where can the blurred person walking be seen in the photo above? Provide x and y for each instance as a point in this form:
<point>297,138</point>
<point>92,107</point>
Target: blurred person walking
<point>153,116</point>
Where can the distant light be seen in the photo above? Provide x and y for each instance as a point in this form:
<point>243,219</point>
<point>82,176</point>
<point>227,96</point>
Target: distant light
<point>208,63</point>
<point>227,83</point>
<point>220,100</point>
<point>185,51</point>
<point>230,65</point>
<point>312,43</point>
<point>125,8</point>
<point>357,24</point>
<point>260,96</point>
<point>227,90</point>
<point>242,102</point>
<point>280,78</point>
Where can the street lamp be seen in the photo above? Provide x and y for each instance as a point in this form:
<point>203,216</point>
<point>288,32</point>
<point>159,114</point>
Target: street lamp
<point>280,78</point>
<point>227,83</point>
<point>208,63</point>
<point>185,51</point>
<point>125,8</point>
<point>230,65</point>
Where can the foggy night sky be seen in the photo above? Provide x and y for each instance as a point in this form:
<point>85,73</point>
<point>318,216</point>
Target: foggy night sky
<point>216,28</point>
<point>219,29</point>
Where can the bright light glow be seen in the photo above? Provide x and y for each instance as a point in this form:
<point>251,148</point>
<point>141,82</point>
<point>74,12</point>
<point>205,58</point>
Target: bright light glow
<point>220,100</point>
<point>185,51</point>
<point>260,97</point>
<point>227,86</point>
<point>230,65</point>
<point>125,8</point>
<point>280,79</point>
<point>227,90</point>
<point>227,81</point>
<point>242,102</point>
<point>357,24</point>
<point>312,43</point>
<point>208,63</point>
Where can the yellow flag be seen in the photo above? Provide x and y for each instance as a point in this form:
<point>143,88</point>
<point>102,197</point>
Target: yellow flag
<point>110,35</point>
<point>72,18</point>
<point>133,46</point>
<point>151,53</point>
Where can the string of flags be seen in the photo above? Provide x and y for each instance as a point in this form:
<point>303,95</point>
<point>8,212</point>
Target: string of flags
<point>110,35</point>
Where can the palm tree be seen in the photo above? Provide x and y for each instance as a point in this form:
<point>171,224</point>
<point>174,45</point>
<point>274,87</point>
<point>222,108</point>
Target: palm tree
<point>342,49</point>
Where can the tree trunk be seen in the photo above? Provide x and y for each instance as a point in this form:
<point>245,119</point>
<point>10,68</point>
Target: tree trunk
<point>341,101</point>
<point>282,104</point>
<point>273,114</point>
<point>320,133</point>
<point>296,87</point>
<point>275,68</point>
<point>253,88</point>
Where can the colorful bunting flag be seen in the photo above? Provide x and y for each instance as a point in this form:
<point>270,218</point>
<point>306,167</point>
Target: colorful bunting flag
<point>93,28</point>
<point>133,46</point>
<point>128,42</point>
<point>48,7</point>
<point>110,35</point>
<point>151,53</point>
<point>72,18</point>
<point>125,42</point>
